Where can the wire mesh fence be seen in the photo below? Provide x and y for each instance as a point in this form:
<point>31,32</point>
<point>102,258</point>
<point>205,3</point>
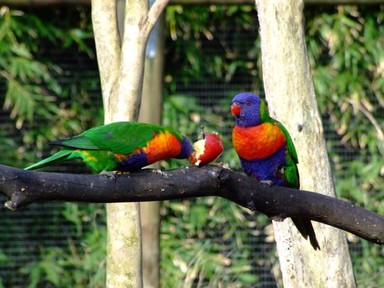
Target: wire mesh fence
<point>30,236</point>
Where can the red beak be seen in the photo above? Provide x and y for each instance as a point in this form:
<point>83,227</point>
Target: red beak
<point>235,109</point>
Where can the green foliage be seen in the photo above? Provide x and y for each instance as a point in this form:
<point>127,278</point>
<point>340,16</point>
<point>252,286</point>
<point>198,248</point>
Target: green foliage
<point>24,75</point>
<point>74,266</point>
<point>199,29</point>
<point>346,51</point>
<point>347,56</point>
<point>32,91</point>
<point>369,267</point>
<point>51,109</point>
<point>349,82</point>
<point>192,252</point>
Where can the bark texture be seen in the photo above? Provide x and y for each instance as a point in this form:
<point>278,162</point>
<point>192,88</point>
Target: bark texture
<point>291,98</point>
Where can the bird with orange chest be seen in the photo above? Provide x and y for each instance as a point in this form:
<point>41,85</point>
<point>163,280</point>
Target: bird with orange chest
<point>129,146</point>
<point>266,150</point>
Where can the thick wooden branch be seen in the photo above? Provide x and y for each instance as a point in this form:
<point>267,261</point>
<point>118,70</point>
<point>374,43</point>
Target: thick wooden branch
<point>24,187</point>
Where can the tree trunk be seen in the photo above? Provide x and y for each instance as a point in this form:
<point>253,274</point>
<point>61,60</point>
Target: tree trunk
<point>291,98</point>
<point>121,73</point>
<point>123,219</point>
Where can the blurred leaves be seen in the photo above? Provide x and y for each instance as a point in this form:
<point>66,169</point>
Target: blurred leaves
<point>347,53</point>
<point>347,56</point>
<point>194,254</point>
<point>45,106</point>
<point>77,265</point>
<point>199,28</point>
<point>29,83</point>
<point>33,93</point>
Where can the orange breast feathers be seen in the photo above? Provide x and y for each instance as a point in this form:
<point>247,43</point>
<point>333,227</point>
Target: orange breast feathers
<point>257,142</point>
<point>162,146</point>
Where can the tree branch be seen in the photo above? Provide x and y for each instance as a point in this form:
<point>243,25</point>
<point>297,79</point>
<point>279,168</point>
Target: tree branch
<point>24,187</point>
<point>154,14</point>
<point>107,46</point>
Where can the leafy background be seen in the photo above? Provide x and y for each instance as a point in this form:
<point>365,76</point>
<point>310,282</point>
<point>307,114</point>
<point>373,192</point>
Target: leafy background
<point>49,89</point>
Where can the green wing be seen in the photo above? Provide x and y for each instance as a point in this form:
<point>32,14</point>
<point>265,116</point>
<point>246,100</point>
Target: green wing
<point>290,146</point>
<point>118,137</point>
<point>291,174</point>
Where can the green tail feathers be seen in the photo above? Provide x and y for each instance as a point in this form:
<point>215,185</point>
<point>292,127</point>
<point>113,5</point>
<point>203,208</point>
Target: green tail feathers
<point>59,156</point>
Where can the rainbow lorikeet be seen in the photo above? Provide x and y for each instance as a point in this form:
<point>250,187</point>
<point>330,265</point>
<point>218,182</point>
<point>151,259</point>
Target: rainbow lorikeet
<point>129,146</point>
<point>266,150</point>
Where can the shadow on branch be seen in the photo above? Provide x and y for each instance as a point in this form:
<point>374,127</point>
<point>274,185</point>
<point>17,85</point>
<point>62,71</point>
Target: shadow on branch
<point>24,187</point>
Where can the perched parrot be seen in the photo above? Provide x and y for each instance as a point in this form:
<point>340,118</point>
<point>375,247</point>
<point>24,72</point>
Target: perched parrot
<point>129,146</point>
<point>266,150</point>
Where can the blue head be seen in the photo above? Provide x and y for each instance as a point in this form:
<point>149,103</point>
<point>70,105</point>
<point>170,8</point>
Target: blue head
<point>248,109</point>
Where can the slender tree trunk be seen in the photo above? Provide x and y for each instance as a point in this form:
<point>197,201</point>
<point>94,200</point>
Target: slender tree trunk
<point>291,98</point>
<point>121,73</point>
<point>123,219</point>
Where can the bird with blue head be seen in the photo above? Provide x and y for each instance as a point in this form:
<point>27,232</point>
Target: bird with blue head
<point>266,150</point>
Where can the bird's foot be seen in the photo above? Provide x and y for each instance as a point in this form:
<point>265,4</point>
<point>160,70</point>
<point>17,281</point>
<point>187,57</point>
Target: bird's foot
<point>251,206</point>
<point>223,165</point>
<point>268,182</point>
<point>278,218</point>
<point>109,174</point>
<point>158,171</point>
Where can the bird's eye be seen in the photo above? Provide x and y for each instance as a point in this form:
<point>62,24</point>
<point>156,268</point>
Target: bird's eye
<point>248,103</point>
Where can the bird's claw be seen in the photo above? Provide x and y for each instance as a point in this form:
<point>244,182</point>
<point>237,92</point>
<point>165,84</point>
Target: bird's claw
<point>158,171</point>
<point>278,218</point>
<point>224,165</point>
<point>268,182</point>
<point>251,206</point>
<point>112,175</point>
